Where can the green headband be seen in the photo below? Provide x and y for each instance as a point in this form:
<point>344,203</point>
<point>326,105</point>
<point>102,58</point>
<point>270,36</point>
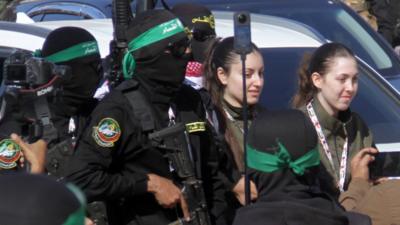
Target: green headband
<point>76,51</point>
<point>77,217</point>
<point>155,34</point>
<point>266,162</point>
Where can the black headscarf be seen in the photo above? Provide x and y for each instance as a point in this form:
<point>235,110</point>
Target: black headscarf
<point>288,193</point>
<point>29,199</point>
<point>159,73</point>
<point>85,69</point>
<point>201,23</point>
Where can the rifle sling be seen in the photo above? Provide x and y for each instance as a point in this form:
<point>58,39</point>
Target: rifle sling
<point>49,132</point>
<point>139,105</point>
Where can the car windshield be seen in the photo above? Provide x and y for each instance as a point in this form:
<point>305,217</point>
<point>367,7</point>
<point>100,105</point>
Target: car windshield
<point>349,32</point>
<point>332,20</point>
<point>377,106</point>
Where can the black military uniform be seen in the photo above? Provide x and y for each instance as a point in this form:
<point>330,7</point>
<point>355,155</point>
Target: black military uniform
<point>78,49</point>
<point>115,155</point>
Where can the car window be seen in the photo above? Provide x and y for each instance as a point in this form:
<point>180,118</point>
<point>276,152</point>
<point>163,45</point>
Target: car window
<point>55,16</point>
<point>376,105</point>
<point>377,54</point>
<point>338,25</point>
<point>332,20</point>
<point>65,11</point>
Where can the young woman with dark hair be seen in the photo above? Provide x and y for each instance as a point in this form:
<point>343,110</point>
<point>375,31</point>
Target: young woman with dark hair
<point>223,80</point>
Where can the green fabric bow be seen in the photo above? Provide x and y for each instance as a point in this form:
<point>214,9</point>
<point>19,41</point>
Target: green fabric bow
<point>77,217</point>
<point>267,162</point>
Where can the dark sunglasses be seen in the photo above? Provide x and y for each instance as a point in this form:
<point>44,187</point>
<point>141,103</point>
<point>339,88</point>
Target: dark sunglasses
<point>200,35</point>
<point>178,49</point>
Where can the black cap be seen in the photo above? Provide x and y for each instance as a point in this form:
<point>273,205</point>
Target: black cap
<point>29,199</point>
<point>66,37</point>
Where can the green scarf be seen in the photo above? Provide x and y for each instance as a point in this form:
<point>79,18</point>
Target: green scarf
<point>267,162</point>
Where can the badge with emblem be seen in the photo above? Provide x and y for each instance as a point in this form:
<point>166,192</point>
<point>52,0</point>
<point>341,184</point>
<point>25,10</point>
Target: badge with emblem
<point>107,132</point>
<point>196,127</point>
<point>10,152</point>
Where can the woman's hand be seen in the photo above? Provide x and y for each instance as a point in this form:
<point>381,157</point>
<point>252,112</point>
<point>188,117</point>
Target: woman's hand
<point>239,191</point>
<point>88,221</point>
<point>360,162</point>
<point>34,153</point>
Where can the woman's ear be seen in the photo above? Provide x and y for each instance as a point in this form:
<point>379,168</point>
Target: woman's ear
<point>317,79</point>
<point>222,76</point>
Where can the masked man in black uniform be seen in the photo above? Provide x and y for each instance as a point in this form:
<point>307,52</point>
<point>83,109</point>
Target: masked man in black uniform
<point>67,99</point>
<point>78,49</point>
<point>116,159</point>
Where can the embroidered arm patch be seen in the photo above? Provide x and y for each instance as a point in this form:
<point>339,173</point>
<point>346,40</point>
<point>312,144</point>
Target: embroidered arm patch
<point>107,132</point>
<point>10,152</point>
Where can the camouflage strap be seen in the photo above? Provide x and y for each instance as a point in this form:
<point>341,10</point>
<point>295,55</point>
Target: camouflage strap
<point>97,212</point>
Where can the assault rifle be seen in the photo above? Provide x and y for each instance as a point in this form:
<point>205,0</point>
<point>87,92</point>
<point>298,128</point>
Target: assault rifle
<point>176,143</point>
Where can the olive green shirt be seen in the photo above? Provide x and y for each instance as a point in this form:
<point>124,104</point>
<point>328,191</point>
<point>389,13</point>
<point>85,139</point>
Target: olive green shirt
<point>348,124</point>
<point>235,124</point>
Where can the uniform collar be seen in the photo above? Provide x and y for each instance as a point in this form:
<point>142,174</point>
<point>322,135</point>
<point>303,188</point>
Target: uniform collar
<point>330,122</point>
<point>237,112</point>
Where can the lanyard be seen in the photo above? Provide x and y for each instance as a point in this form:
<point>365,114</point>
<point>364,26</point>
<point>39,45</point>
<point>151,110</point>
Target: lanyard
<point>324,143</point>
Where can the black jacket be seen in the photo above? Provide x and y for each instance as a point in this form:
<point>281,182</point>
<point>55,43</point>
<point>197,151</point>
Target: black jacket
<point>112,164</point>
<point>387,13</point>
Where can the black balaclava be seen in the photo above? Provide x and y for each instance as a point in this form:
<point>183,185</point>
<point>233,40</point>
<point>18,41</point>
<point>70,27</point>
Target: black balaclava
<point>200,21</point>
<point>288,193</point>
<point>85,66</point>
<point>160,73</point>
<point>29,199</point>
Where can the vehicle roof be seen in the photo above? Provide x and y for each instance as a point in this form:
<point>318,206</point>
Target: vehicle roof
<point>22,36</point>
<point>229,3</point>
<point>104,6</point>
<point>32,3</point>
<point>267,32</point>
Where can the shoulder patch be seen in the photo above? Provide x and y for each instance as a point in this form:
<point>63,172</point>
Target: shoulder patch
<point>107,132</point>
<point>196,127</point>
<point>10,152</point>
